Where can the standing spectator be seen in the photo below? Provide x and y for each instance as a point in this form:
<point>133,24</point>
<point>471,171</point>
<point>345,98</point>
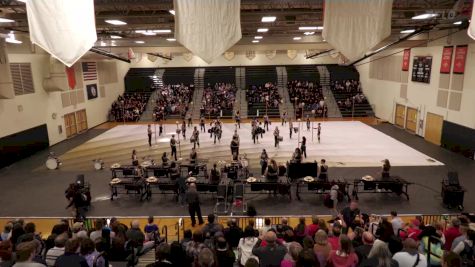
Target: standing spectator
<point>435,245</point>
<point>211,228</point>
<point>344,256</point>
<point>58,250</point>
<point>463,230</point>
<point>137,238</point>
<point>206,258</point>
<point>89,252</point>
<point>246,244</point>
<point>466,249</point>
<point>313,227</point>
<point>363,250</point>
<point>7,232</point>
<point>233,233</point>
<point>267,226</point>
<point>225,256</point>
<point>410,255</point>
<point>70,257</point>
<point>300,230</point>
<point>396,222</point>
<point>322,248</point>
<point>349,214</point>
<point>94,235</point>
<point>78,230</point>
<point>193,200</point>
<point>178,256</point>
<point>162,256</point>
<point>270,255</point>
<point>195,246</point>
<point>451,233</point>
<point>334,239</point>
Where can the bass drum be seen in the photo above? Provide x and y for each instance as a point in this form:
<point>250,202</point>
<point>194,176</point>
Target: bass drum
<point>98,166</point>
<point>52,164</point>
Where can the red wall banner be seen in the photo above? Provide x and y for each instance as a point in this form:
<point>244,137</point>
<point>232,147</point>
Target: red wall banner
<point>446,59</point>
<point>405,59</point>
<point>460,57</point>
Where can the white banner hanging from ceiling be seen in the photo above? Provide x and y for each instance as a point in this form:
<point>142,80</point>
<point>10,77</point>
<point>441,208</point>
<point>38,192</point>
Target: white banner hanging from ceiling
<point>207,27</point>
<point>471,27</point>
<point>354,27</point>
<point>65,29</point>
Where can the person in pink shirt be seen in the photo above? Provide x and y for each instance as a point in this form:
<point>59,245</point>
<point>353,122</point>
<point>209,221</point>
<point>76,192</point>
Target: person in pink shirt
<point>334,239</point>
<point>343,257</point>
<point>313,228</point>
<point>292,255</point>
<point>451,233</point>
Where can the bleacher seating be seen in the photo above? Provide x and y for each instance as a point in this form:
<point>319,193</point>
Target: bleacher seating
<point>178,76</point>
<point>260,75</point>
<point>219,98</point>
<point>129,107</point>
<point>345,93</point>
<point>256,100</point>
<point>339,73</point>
<point>140,80</point>
<point>215,75</point>
<point>302,73</point>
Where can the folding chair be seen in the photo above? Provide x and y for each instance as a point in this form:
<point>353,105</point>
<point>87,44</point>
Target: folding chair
<point>221,200</point>
<point>238,199</point>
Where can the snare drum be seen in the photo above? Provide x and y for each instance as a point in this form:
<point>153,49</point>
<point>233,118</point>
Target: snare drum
<point>281,138</point>
<point>52,164</point>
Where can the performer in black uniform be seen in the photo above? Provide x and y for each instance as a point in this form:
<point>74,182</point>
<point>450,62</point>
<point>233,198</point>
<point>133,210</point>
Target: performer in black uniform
<point>291,128</point>
<point>193,156</point>
<point>323,176</point>
<point>195,137</point>
<point>215,175</point>
<point>164,159</point>
<point>276,137</point>
<point>272,171</point>
<point>319,131</point>
<point>173,143</point>
<point>183,129</point>
<point>308,123</point>
<point>297,156</point>
<point>160,129</point>
<point>386,168</point>
<point>266,122</point>
<point>303,146</point>
<point>284,118</point>
<point>149,133</point>
<point>263,162</point>
<point>202,124</point>
<point>237,117</point>
<point>255,135</point>
<point>134,157</point>
<point>234,148</point>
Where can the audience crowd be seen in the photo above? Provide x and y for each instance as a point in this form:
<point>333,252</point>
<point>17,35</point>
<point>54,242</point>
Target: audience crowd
<point>129,106</point>
<point>351,239</point>
<point>307,96</point>
<point>217,98</point>
<point>262,94</point>
<point>351,88</point>
<point>173,100</point>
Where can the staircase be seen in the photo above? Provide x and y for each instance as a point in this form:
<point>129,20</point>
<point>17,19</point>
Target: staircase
<point>198,93</point>
<point>332,106</point>
<point>147,115</point>
<point>241,103</point>
<point>240,78</point>
<point>286,105</point>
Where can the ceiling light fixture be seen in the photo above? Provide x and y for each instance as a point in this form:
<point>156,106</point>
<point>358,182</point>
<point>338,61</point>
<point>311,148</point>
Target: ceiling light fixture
<point>115,22</point>
<point>458,22</point>
<point>11,39</point>
<point>408,31</point>
<point>171,39</point>
<point>116,37</point>
<point>268,19</point>
<point>262,30</point>
<point>23,1</point>
<point>297,38</point>
<point>255,41</point>
<point>4,20</point>
<point>257,37</point>
<point>425,16</point>
<point>172,12</point>
<point>310,28</point>
<point>309,33</point>
<point>162,31</point>
<point>140,42</point>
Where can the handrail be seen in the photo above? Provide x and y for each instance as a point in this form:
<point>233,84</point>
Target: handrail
<point>177,228</point>
<point>165,231</point>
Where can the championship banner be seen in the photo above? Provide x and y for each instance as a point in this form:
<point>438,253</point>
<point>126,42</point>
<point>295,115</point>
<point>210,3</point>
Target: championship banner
<point>460,57</point>
<point>446,59</point>
<point>70,73</point>
<point>91,91</point>
<point>405,59</point>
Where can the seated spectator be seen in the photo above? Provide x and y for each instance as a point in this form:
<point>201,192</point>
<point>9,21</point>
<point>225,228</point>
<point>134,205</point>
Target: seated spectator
<point>266,227</point>
<point>435,245</point>
<point>451,233</point>
<point>187,238</point>
<point>233,233</point>
<point>466,248</point>
<point>285,225</point>
<point>58,249</point>
<point>89,252</point>
<point>217,98</point>
<point>206,258</point>
<point>7,232</point>
<point>25,252</point>
<point>78,230</point>
<point>363,250</point>
<point>379,256</point>
<point>292,255</point>
<point>267,93</point>
<point>270,255</point>
<point>396,222</point>
<point>97,233</point>
<point>313,227</point>
<point>151,230</point>
<point>162,256</point>
<point>334,238</point>
<point>344,256</point>
<point>410,255</point>
<point>136,238</point>
<point>178,256</point>
<point>173,100</point>
<point>322,248</point>
<point>451,259</point>
<point>300,230</point>
<point>246,244</point>
<point>129,107</point>
<point>6,254</point>
<point>463,230</point>
<point>70,258</point>
<point>195,246</point>
<point>307,259</point>
<point>224,255</point>
<point>211,228</point>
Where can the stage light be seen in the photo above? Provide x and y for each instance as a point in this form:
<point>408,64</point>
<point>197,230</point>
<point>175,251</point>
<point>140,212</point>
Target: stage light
<point>408,31</point>
<point>262,30</point>
<point>425,16</point>
<point>310,28</point>
<point>268,19</point>
<point>162,31</point>
<point>116,22</point>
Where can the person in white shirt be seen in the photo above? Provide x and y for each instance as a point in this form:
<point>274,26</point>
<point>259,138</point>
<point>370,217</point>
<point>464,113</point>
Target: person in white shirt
<point>246,244</point>
<point>466,245</point>
<point>53,253</point>
<point>410,256</point>
<point>25,252</point>
<point>98,232</point>
<point>267,226</point>
<point>396,222</point>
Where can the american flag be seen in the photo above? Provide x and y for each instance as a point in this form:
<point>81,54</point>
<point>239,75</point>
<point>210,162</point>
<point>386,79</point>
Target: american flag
<point>89,71</point>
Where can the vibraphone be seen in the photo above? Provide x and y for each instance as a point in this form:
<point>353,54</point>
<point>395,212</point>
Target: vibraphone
<point>322,187</point>
<point>135,185</point>
<point>281,186</point>
<point>393,184</point>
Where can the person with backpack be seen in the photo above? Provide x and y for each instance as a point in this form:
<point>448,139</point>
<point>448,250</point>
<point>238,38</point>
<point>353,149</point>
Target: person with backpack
<point>466,249</point>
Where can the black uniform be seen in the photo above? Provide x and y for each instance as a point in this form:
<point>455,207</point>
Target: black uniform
<point>193,199</point>
<point>173,147</point>
<point>303,146</point>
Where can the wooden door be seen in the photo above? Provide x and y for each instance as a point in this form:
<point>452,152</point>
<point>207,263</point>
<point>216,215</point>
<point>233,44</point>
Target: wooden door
<point>411,120</point>
<point>400,115</point>
<point>433,130</point>
<point>81,120</point>
<point>70,124</point>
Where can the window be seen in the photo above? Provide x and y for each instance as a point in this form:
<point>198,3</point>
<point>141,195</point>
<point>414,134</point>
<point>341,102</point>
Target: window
<point>22,78</point>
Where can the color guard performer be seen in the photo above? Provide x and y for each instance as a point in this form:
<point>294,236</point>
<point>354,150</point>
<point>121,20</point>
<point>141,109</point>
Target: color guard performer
<point>173,143</point>
<point>276,137</point>
<point>195,137</point>
<point>266,122</point>
<point>202,124</point>
<point>319,130</point>
<point>237,117</point>
<point>284,118</point>
<point>291,128</point>
<point>303,146</point>
<point>149,133</point>
<point>308,123</point>
<point>183,129</point>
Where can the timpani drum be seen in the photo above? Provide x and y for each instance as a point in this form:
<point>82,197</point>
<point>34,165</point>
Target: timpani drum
<point>52,164</point>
